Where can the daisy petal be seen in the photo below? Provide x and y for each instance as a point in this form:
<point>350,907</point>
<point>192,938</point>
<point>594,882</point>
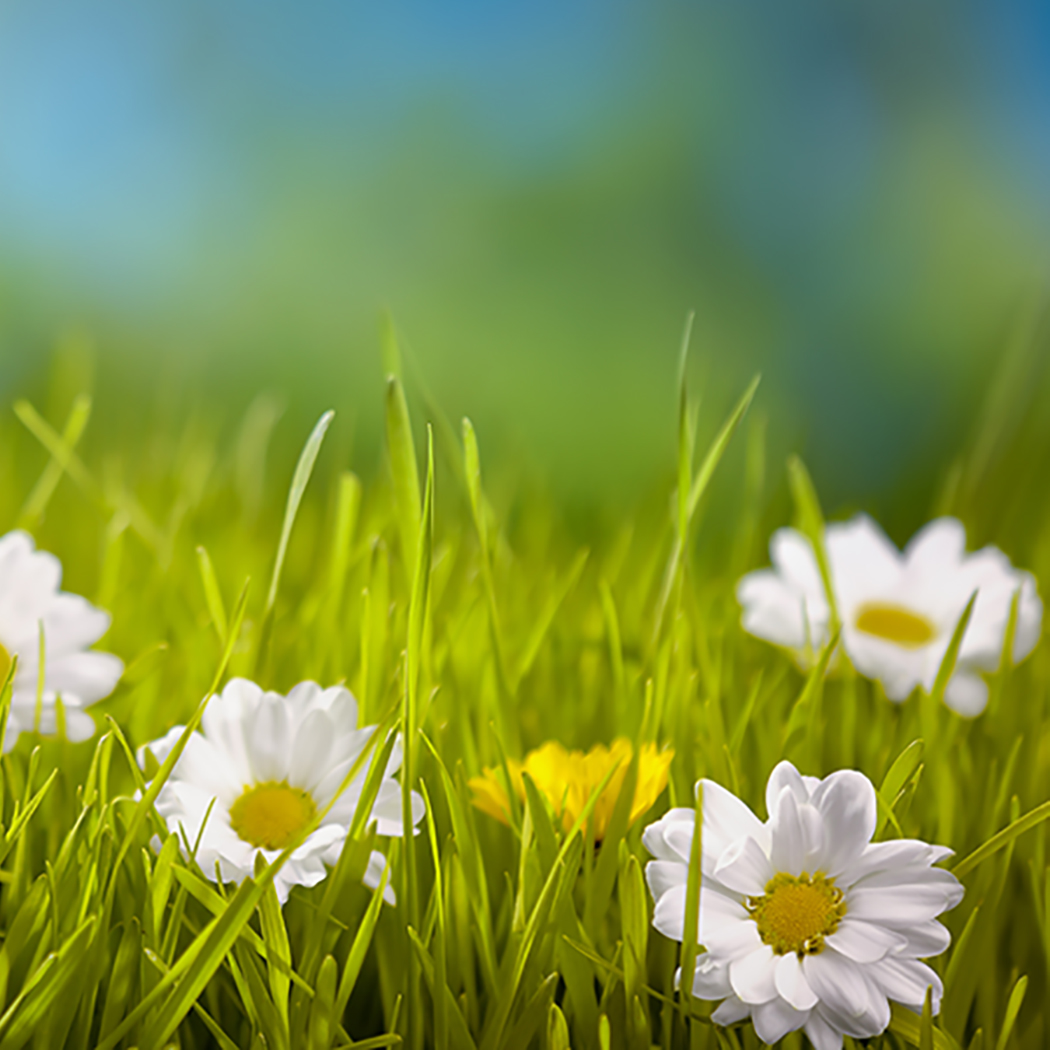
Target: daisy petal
<point>726,819</point>
<point>664,875</point>
<point>846,801</point>
<point>790,841</point>
<point>772,610</point>
<point>654,837</point>
<point>864,942</point>
<point>312,746</point>
<point>924,939</point>
<point>731,1011</point>
<point>847,995</point>
<point>785,775</point>
<point>966,694</point>
<point>791,983</point>
<point>752,976</point>
<point>893,856</point>
<point>725,927</point>
<point>669,913</point>
<point>906,980</point>
<point>710,978</point>
<point>774,1019</point>
<point>744,868</point>
<point>821,1034</point>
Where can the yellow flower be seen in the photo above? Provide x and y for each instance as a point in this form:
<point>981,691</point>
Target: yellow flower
<point>568,778</point>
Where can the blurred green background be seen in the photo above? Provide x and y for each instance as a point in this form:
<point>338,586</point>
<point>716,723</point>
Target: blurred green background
<point>855,199</point>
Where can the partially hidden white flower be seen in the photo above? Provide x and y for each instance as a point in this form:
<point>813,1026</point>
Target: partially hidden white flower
<point>806,922</point>
<point>898,608</point>
<point>31,605</point>
<point>260,769</point>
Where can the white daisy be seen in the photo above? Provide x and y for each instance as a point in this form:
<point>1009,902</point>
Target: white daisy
<point>258,772</point>
<point>30,605</point>
<point>806,922</point>
<point>898,609</point>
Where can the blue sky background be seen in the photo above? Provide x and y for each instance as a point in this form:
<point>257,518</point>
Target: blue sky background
<point>855,199</point>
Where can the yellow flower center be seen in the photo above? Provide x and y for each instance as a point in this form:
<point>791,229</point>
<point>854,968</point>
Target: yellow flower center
<point>895,624</point>
<point>269,815</point>
<point>796,913</point>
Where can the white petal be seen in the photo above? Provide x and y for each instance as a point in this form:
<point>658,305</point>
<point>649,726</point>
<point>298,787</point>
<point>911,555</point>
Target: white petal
<point>906,980</point>
<point>663,875</point>
<point>731,1011</point>
<point>314,738</point>
<point>785,775</point>
<point>821,1034</point>
<point>924,939</point>
<point>268,737</point>
<point>792,554</point>
<point>864,942</point>
<point>752,976</point>
<point>864,563</point>
<point>72,623</point>
<point>744,868</point>
<point>847,995</point>
<point>937,549</point>
<point>797,835</point>
<point>966,694</point>
<point>892,900</point>
<point>899,670</point>
<point>774,1019</point>
<point>791,983</point>
<point>654,836</point>
<point>226,720</point>
<point>846,801</point>
<point>87,676</point>
<point>726,819</point>
<point>990,573</point>
<point>304,697</point>
<point>200,764</point>
<point>387,811</point>
<point>80,725</point>
<point>711,978</point>
<point>669,913</point>
<point>895,855</point>
<point>726,929</point>
<point>1029,618</point>
<point>772,609</point>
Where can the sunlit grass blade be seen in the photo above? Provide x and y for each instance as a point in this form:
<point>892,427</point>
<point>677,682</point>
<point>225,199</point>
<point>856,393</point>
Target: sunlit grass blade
<point>696,491</point>
<point>694,887</point>
<point>149,796</point>
<point>403,467</point>
<point>546,616</point>
<point>71,463</point>
<point>417,613</point>
<point>478,509</point>
<point>1002,839</point>
<point>893,783</point>
<point>951,655</point>
<point>1013,1008</point>
<point>44,989</point>
<point>212,594</point>
<point>809,520</point>
<point>38,499</point>
<point>908,1025</point>
<point>300,479</point>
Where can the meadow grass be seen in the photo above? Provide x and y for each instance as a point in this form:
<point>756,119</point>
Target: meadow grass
<point>476,634</point>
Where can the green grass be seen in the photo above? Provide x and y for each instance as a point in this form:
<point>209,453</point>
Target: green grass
<point>479,628</point>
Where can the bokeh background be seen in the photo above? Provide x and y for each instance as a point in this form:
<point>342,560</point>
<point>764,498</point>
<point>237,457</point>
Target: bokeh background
<point>855,199</point>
